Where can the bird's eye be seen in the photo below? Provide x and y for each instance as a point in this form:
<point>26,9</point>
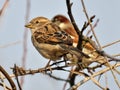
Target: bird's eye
<point>37,22</point>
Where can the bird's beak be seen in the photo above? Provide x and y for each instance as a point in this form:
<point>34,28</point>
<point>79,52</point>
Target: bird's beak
<point>28,25</point>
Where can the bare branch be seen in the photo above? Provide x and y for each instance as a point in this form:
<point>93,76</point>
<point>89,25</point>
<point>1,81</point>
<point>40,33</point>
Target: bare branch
<point>94,75</point>
<point>111,44</point>
<point>28,2</point>
<point>4,7</point>
<point>10,44</point>
<point>95,25</point>
<point>8,78</point>
<point>84,9</point>
<point>69,5</point>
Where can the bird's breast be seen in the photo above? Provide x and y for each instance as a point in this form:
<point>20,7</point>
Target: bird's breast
<point>49,51</point>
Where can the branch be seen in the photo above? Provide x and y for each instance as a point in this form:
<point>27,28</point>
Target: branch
<point>28,2</point>
<point>96,23</point>
<point>111,44</point>
<point>5,86</point>
<point>8,78</point>
<point>87,24</point>
<point>84,9</point>
<point>69,5</point>
<point>100,48</point>
<point>4,7</point>
<point>94,75</point>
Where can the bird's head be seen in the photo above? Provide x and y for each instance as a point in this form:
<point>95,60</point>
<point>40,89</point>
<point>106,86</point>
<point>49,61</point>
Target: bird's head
<point>61,21</point>
<point>38,21</point>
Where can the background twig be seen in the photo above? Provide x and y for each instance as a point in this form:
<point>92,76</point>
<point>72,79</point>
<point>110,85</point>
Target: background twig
<point>28,2</point>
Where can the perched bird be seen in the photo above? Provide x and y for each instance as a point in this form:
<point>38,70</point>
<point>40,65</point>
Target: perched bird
<point>51,41</point>
<point>64,24</point>
<point>88,45</point>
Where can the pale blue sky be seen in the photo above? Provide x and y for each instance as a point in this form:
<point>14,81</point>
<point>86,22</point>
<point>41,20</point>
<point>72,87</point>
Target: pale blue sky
<point>12,29</point>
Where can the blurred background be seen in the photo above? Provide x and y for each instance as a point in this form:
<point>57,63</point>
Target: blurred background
<point>12,33</point>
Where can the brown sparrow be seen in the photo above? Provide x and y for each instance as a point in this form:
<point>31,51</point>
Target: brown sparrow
<point>65,24</point>
<point>51,41</point>
<point>88,45</point>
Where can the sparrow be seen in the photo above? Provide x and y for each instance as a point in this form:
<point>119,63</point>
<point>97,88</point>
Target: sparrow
<point>88,45</point>
<point>64,24</point>
<point>51,41</point>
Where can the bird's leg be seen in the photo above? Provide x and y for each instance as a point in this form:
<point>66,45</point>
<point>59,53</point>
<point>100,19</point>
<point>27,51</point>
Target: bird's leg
<point>65,60</point>
<point>48,66</point>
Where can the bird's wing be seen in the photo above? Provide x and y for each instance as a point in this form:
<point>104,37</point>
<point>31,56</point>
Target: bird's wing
<point>52,34</point>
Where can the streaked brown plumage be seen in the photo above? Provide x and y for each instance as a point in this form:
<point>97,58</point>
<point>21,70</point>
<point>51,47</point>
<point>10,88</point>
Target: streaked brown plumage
<point>50,40</point>
<point>88,45</point>
<point>65,24</point>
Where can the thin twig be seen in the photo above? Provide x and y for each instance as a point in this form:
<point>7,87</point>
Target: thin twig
<point>79,33</point>
<point>117,71</point>
<point>57,78</point>
<point>100,48</point>
<point>68,78</point>
<point>94,75</point>
<point>1,84</point>
<point>106,80</point>
<point>22,72</point>
<point>85,11</point>
<point>111,44</point>
<point>28,2</point>
<point>10,44</point>
<point>2,80</point>
<point>8,78</point>
<point>107,55</point>
<point>72,76</point>
<point>95,25</point>
<point>87,24</point>
<point>69,5</point>
<point>116,55</point>
<point>16,76</point>
<point>97,83</point>
<point>4,7</point>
